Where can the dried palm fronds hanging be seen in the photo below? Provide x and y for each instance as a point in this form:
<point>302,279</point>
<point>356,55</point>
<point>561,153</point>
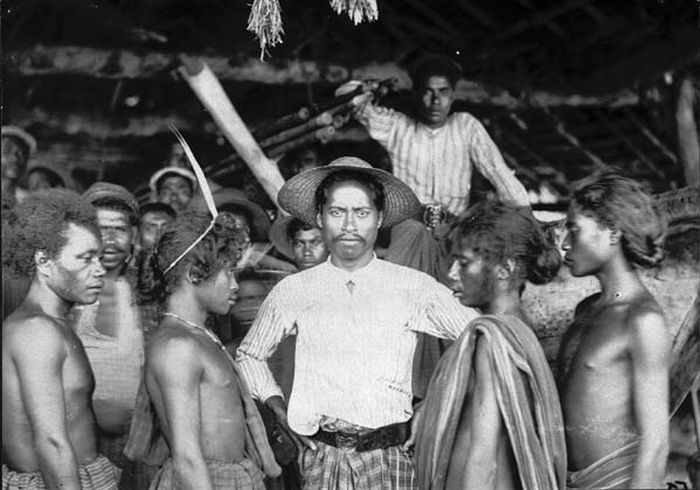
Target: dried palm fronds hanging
<point>265,20</point>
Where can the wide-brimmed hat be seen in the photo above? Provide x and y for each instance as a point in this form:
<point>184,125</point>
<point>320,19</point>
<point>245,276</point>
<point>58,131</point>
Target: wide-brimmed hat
<point>298,195</point>
<point>260,223</point>
<point>182,172</point>
<point>22,135</point>
<point>279,236</point>
<point>102,190</point>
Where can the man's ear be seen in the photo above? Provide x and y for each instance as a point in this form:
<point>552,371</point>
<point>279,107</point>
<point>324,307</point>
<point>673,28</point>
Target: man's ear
<point>41,261</point>
<point>191,276</point>
<point>505,270</point>
<point>381,219</point>
<point>615,236</point>
<point>319,221</point>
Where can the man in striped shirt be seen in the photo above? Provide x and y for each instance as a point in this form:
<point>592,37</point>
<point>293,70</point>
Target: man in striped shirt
<point>356,320</point>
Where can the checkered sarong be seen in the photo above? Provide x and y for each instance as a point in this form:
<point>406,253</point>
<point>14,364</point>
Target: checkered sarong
<point>331,468</point>
<point>243,475</point>
<point>99,474</point>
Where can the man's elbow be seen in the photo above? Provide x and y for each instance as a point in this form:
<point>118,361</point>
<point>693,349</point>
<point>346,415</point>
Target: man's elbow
<point>51,445</point>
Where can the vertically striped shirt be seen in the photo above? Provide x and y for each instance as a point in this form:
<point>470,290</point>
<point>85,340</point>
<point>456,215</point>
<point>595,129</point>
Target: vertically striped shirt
<point>355,344</point>
<point>437,163</point>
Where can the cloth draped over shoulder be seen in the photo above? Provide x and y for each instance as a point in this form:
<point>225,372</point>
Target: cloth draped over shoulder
<point>147,442</point>
<point>527,398</point>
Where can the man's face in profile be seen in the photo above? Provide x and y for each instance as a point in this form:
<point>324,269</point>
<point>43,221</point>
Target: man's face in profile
<point>436,98</point>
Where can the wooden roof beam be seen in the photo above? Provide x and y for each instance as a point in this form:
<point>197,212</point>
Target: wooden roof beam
<point>550,24</point>
<point>480,15</point>
<point>563,131</point>
<point>542,17</point>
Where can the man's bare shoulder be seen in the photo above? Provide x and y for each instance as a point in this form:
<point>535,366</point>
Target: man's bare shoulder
<point>173,347</point>
<point>646,323</point>
<point>28,329</point>
<point>586,305</point>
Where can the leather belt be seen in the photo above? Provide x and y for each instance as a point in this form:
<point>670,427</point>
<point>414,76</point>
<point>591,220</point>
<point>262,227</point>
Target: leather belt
<point>381,438</point>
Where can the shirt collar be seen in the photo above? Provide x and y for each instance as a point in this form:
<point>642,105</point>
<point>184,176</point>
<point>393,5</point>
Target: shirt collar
<point>345,275</point>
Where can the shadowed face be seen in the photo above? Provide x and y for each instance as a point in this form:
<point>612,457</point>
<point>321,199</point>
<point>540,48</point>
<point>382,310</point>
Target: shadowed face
<point>176,191</point>
<point>309,248</point>
<point>472,278</point>
<point>14,159</point>
<point>152,225</point>
<point>251,294</point>
<point>75,275</point>
<point>436,101</point>
<point>587,244</point>
<point>349,223</point>
<point>117,235</point>
<point>218,294</point>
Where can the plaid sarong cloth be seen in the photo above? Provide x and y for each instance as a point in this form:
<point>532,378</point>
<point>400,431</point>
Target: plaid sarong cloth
<point>331,468</point>
<point>612,471</point>
<point>147,443</point>
<point>527,398</point>
<point>244,475</point>
<point>98,474</point>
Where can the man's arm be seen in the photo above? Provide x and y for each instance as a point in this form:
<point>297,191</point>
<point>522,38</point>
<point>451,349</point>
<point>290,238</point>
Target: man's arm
<point>650,353</point>
<point>178,372</point>
<point>475,454</point>
<point>447,317</point>
<point>39,355</point>
<point>489,162</point>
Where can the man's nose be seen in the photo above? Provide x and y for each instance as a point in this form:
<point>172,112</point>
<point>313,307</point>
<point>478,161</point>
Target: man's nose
<point>100,269</point>
<point>566,243</point>
<point>453,273</point>
<point>233,285</point>
<point>349,223</point>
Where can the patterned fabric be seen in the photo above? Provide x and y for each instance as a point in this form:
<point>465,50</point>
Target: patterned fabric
<point>99,474</point>
<point>135,474</point>
<point>437,163</point>
<point>243,475</point>
<point>354,351</point>
<point>116,361</point>
<point>527,398</point>
<point>147,443</point>
<point>612,471</point>
<point>332,468</point>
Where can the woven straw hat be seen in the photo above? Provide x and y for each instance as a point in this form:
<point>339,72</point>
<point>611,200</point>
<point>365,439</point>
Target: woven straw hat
<point>298,194</point>
<point>21,134</point>
<point>260,223</point>
<point>280,238</point>
<point>101,190</point>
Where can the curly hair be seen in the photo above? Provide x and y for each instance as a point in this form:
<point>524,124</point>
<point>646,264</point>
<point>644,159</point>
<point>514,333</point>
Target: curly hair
<point>622,204</point>
<point>498,232</point>
<point>41,222</point>
<point>222,246</point>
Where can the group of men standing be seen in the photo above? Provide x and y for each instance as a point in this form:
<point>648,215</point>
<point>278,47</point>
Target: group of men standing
<point>491,416</point>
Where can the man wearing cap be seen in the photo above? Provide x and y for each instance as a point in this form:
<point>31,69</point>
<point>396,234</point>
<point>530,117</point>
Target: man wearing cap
<point>17,147</point>
<point>174,186</point>
<point>111,329</point>
<point>356,318</point>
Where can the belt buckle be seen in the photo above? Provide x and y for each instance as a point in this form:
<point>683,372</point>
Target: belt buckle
<point>345,440</point>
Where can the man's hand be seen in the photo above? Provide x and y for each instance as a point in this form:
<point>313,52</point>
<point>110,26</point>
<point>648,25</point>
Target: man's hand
<point>279,408</point>
<point>361,100</point>
<point>417,414</point>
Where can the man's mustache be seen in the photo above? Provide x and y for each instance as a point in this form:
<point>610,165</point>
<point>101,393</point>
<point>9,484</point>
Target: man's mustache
<point>114,250</point>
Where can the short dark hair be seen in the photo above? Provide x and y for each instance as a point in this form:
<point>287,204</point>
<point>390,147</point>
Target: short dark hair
<point>623,204</point>
<point>222,245</point>
<point>296,225</point>
<point>435,65</point>
<point>41,222</point>
<point>500,231</point>
<point>116,204</point>
<point>159,182</point>
<point>54,179</point>
<point>157,207</point>
<point>375,189</point>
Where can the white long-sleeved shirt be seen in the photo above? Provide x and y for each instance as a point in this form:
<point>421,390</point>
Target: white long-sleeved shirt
<point>437,163</point>
<point>354,350</point>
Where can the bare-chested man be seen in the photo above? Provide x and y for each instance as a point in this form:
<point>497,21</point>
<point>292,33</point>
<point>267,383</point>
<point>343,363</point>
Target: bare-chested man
<point>614,360</point>
<point>491,418</point>
<point>202,409</point>
<point>48,426</point>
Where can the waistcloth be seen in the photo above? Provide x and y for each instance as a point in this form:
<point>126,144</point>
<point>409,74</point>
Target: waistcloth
<point>381,438</point>
<point>330,468</point>
<point>243,475</point>
<point>527,401</point>
<point>611,471</point>
<point>98,474</point>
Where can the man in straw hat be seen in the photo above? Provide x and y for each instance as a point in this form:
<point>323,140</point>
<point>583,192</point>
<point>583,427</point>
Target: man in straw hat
<point>356,319</point>
<point>48,437</point>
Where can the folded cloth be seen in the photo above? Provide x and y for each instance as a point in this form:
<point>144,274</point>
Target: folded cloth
<point>527,398</point>
<point>612,471</point>
<point>331,468</point>
<point>243,475</point>
<point>98,474</point>
<point>147,443</point>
